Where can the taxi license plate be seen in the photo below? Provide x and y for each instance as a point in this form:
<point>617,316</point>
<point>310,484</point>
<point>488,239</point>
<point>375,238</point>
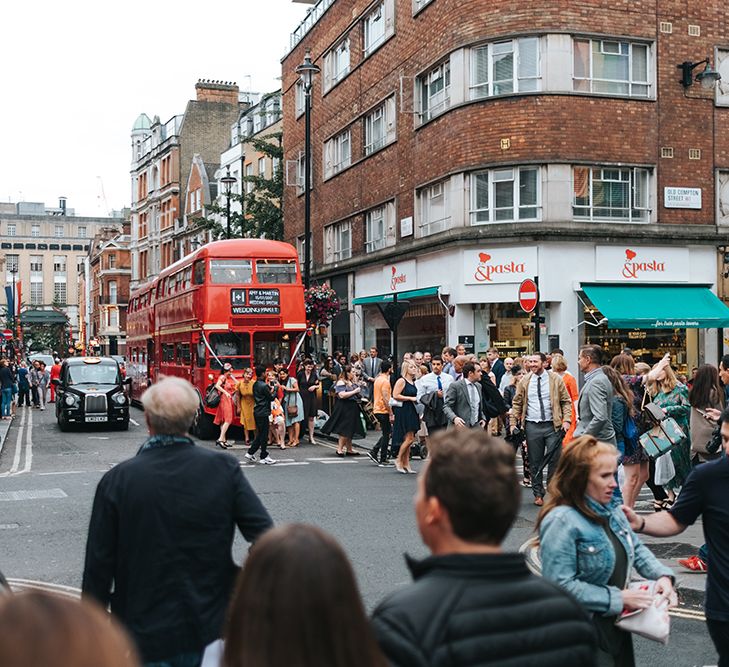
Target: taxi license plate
<point>101,418</point>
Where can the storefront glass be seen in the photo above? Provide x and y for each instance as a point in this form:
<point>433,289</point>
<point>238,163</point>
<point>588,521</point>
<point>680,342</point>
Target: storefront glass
<point>513,333</point>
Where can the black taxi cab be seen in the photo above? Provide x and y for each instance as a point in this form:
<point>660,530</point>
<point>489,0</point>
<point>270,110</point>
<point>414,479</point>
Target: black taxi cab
<point>91,390</point>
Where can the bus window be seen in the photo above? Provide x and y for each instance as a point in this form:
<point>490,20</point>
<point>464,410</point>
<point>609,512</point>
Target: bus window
<point>183,353</point>
<point>198,272</point>
<point>201,352</point>
<point>230,271</point>
<point>168,352</point>
<point>270,346</point>
<point>279,272</point>
<point>230,347</point>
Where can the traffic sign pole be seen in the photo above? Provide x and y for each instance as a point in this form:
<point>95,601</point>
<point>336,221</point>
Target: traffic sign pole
<point>536,317</point>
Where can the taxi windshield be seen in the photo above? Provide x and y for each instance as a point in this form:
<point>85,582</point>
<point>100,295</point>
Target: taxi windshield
<point>93,374</point>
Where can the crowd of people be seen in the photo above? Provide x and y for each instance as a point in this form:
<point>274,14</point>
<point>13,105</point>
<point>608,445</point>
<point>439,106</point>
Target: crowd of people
<point>26,384</point>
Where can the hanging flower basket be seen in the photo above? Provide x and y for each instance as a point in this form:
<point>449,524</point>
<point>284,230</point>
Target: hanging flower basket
<point>322,304</point>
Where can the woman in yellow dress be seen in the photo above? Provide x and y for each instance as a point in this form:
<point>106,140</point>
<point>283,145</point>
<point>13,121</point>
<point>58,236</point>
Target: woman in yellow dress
<point>245,402</point>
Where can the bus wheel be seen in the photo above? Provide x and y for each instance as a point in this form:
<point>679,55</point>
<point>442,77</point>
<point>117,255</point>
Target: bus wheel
<point>203,426</point>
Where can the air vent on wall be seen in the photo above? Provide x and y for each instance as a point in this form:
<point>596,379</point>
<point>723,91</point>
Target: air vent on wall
<point>666,27</point>
<point>694,153</point>
<point>667,151</point>
<point>694,31</point>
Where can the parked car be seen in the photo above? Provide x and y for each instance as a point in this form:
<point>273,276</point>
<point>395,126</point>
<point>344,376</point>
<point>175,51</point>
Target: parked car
<point>47,359</point>
<point>91,391</point>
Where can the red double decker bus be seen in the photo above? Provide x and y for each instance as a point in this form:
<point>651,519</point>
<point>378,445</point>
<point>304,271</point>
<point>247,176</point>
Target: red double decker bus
<point>239,301</point>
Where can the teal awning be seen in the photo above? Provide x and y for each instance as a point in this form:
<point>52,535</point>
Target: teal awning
<point>658,306</point>
<point>401,296</point>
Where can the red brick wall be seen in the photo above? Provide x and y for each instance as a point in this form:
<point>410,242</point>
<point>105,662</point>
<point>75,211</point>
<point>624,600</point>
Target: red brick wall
<point>544,127</point>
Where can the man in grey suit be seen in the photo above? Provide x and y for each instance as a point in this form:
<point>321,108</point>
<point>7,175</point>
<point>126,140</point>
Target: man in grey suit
<point>463,406</point>
<point>370,370</point>
<point>595,404</point>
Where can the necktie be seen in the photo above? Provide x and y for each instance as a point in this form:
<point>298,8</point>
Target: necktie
<point>440,384</point>
<point>541,400</point>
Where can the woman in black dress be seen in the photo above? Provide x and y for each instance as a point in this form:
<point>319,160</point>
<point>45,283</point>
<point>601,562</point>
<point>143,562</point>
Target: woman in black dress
<point>407,421</point>
<point>345,420</point>
<point>308,384</point>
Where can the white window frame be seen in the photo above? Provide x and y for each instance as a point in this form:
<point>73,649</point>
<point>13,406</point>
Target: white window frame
<point>521,81</point>
<point>249,184</point>
<point>521,211</point>
<point>638,211</point>
<point>35,231</point>
<point>722,198</point>
<point>338,241</point>
<point>12,262</point>
<point>36,292</point>
<point>641,89</point>
<point>82,232</point>
<point>377,26</point>
<point>380,126</point>
<point>262,167</point>
<point>434,104</point>
<point>337,153</point>
<point>299,98</point>
<point>60,291</point>
<point>12,229</point>
<point>436,194</point>
<point>380,227</point>
<point>337,63</point>
<point>419,4</point>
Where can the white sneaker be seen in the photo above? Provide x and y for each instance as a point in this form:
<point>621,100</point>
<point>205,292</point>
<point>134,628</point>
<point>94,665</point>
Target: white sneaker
<point>268,460</point>
<point>251,457</point>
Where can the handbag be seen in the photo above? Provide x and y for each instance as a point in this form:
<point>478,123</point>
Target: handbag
<point>714,444</point>
<point>652,413</point>
<point>212,397</point>
<point>652,623</point>
<point>292,410</point>
<point>661,438</point>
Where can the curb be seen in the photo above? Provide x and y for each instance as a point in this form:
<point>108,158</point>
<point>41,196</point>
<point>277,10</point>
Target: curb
<point>4,428</point>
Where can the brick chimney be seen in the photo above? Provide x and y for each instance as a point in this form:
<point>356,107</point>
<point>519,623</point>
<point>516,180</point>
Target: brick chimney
<point>225,92</point>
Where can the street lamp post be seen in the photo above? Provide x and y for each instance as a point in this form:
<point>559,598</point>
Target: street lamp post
<point>14,272</point>
<point>227,182</point>
<point>306,71</point>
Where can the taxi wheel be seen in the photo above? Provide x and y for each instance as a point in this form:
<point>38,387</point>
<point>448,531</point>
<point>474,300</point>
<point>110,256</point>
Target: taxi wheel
<point>203,426</point>
<point>62,423</point>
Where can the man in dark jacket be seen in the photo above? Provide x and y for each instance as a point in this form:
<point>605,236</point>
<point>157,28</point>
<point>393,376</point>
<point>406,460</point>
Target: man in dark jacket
<point>162,529</point>
<point>471,603</point>
<point>263,394</point>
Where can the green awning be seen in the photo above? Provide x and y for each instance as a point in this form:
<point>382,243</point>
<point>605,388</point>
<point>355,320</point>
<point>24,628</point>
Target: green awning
<point>658,306</point>
<point>401,296</point>
<point>42,317</point>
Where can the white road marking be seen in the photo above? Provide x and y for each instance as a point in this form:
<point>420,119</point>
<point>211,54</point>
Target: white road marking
<point>18,444</point>
<point>337,461</point>
<point>134,421</point>
<point>28,445</point>
<point>65,472</point>
<point>33,494</point>
<point>98,437</point>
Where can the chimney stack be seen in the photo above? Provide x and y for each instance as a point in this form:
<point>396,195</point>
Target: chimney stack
<point>62,205</point>
<point>225,92</point>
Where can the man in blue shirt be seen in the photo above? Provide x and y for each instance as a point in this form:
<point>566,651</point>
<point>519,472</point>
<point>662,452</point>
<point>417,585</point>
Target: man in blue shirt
<point>704,494</point>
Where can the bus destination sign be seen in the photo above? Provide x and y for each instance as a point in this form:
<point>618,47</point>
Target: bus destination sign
<point>255,302</point>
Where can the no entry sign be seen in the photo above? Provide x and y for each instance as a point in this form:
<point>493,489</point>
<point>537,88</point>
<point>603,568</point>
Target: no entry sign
<point>528,295</point>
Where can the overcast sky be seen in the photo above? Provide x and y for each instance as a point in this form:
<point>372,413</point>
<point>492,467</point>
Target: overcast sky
<point>76,74</point>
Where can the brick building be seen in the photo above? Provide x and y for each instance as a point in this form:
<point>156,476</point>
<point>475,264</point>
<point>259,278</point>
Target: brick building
<point>162,159</point>
<point>546,139</point>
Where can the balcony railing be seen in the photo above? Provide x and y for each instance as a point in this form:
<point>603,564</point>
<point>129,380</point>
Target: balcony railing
<point>310,20</point>
<point>119,300</point>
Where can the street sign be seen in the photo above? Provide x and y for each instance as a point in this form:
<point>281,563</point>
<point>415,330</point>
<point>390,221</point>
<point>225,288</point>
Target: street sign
<point>528,295</point>
<point>7,334</point>
<point>393,312</point>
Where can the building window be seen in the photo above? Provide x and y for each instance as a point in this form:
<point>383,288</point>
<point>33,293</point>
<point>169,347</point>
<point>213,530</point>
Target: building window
<point>435,214</point>
<point>249,174</point>
<point>35,230</point>
<point>11,229</point>
<point>505,67</point>
<point>36,264</point>
<point>380,227</point>
<point>113,318</point>
<point>419,4</point>
<point>336,64</point>
<point>611,67</point>
<point>611,193</point>
<point>59,292</point>
<point>262,167</point>
<point>12,263</point>
<point>300,249</point>
<point>112,291</point>
<point>36,293</point>
<point>299,98</point>
<point>58,231</point>
<point>337,153</point>
<point>338,242</point>
<point>379,126</point>
<point>378,25</point>
<point>435,87</point>
<point>82,232</point>
<point>111,261</point>
<point>59,265</point>
<point>722,66</point>
<point>505,194</point>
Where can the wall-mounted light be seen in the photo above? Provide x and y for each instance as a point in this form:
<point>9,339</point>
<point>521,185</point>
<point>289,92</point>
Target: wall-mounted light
<point>707,78</point>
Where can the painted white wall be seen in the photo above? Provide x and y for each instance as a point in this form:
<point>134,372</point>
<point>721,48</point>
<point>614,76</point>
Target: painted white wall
<point>557,62</point>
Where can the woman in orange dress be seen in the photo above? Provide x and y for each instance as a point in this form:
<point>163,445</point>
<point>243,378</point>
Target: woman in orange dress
<point>559,366</point>
<point>224,416</point>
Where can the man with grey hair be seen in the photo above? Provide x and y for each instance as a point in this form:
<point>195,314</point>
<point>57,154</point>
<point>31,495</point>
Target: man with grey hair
<point>162,529</point>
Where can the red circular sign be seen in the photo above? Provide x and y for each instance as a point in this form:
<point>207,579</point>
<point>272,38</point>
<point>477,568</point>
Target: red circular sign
<point>528,295</point>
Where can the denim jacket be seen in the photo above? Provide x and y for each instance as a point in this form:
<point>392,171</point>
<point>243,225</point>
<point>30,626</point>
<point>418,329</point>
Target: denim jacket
<point>577,554</point>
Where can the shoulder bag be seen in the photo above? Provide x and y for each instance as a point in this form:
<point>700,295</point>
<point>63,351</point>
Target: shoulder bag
<point>665,434</point>
<point>212,397</point>
<point>292,410</point>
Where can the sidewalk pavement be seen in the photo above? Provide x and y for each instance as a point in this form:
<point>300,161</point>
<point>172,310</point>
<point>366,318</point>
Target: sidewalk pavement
<point>668,550</point>
<point>4,428</point>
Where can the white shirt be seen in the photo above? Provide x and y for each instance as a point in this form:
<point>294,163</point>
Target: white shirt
<point>506,379</point>
<point>474,399</point>
<point>429,383</point>
<point>534,411</point>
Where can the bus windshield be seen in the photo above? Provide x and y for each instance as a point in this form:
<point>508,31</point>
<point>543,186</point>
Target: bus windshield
<point>233,348</point>
<point>271,346</point>
<point>281,272</point>
<point>231,271</point>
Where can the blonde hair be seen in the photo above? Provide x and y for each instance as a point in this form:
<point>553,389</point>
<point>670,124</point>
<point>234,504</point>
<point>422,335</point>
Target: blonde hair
<point>559,363</point>
<point>170,406</point>
<point>667,384</point>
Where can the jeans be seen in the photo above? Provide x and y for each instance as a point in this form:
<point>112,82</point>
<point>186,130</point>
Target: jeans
<point>383,442</point>
<point>24,396</point>
<point>183,660</point>
<point>7,399</point>
<point>261,439</point>
<point>35,394</point>
<point>543,442</point>
<point>719,633</point>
